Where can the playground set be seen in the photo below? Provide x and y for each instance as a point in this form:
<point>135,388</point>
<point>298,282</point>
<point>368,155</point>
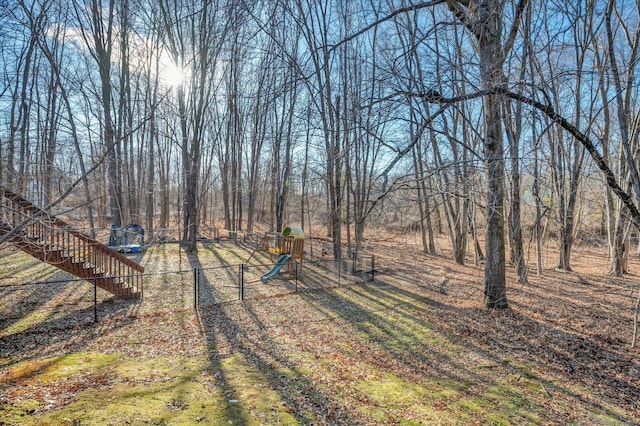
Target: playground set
<point>289,248</point>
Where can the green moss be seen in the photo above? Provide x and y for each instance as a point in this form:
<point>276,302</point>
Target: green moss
<point>393,395</point>
<point>29,320</point>
<point>472,405</point>
<point>17,413</point>
<point>250,394</point>
<point>45,370</point>
<point>294,374</point>
<point>162,390</point>
<point>159,367</point>
<point>512,405</point>
<point>178,401</point>
<point>407,422</point>
<point>535,386</point>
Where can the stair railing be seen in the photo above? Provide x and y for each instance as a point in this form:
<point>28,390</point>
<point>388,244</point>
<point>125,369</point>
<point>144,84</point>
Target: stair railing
<point>84,256</point>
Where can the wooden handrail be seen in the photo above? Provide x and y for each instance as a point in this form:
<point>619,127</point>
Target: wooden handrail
<point>51,233</point>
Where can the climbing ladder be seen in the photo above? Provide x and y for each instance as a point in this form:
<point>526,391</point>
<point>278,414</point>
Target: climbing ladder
<point>52,240</point>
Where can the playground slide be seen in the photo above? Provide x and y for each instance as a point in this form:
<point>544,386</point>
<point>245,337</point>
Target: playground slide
<point>281,261</point>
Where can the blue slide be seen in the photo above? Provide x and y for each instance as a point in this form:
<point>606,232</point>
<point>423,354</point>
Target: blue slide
<point>281,261</point>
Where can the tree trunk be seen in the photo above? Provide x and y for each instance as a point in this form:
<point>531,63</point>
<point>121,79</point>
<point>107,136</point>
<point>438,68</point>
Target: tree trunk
<point>495,291</point>
<point>190,164</point>
<point>513,127</point>
<point>491,59</point>
<point>618,249</point>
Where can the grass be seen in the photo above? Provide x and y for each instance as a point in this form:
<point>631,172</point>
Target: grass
<point>147,390</point>
<point>383,353</point>
<point>424,402</point>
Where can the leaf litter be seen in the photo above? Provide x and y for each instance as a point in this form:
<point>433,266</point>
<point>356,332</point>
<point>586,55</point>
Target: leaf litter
<point>374,353</point>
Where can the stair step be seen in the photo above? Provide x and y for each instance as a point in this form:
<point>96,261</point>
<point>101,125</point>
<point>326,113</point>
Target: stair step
<point>51,248</point>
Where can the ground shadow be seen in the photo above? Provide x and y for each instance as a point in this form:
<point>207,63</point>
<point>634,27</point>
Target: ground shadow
<point>243,333</point>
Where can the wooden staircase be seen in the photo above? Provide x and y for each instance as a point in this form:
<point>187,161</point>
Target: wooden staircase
<point>52,240</point>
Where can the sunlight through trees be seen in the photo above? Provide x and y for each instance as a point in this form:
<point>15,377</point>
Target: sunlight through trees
<point>501,125</point>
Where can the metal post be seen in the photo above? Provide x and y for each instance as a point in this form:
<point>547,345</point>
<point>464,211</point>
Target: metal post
<point>95,301</point>
<point>195,288</point>
<point>242,266</point>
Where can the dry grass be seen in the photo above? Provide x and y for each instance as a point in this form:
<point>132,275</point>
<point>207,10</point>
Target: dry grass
<point>415,347</point>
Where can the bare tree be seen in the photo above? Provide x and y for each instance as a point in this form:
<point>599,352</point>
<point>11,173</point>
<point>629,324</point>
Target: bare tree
<point>485,20</point>
<point>316,18</point>
<point>193,36</point>
<point>628,119</point>
<point>19,84</point>
<point>513,116</point>
<point>96,23</point>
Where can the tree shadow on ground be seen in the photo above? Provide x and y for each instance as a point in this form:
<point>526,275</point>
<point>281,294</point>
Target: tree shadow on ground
<point>232,329</point>
<point>65,333</point>
<point>558,356</point>
<point>32,286</point>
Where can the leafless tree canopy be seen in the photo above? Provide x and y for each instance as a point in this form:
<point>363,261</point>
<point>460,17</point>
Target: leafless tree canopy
<point>489,122</point>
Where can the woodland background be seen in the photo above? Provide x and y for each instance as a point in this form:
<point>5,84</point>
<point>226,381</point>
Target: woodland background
<point>358,117</point>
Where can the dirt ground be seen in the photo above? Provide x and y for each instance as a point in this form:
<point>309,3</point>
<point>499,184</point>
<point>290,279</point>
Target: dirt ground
<point>415,346</point>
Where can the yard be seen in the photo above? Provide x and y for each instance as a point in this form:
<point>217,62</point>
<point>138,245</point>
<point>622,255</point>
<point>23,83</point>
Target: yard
<point>415,346</point>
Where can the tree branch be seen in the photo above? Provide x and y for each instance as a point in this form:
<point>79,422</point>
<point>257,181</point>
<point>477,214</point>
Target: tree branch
<point>405,150</point>
<point>589,145</point>
<point>463,17</point>
<point>508,45</point>
<point>387,18</point>
<point>434,97</point>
